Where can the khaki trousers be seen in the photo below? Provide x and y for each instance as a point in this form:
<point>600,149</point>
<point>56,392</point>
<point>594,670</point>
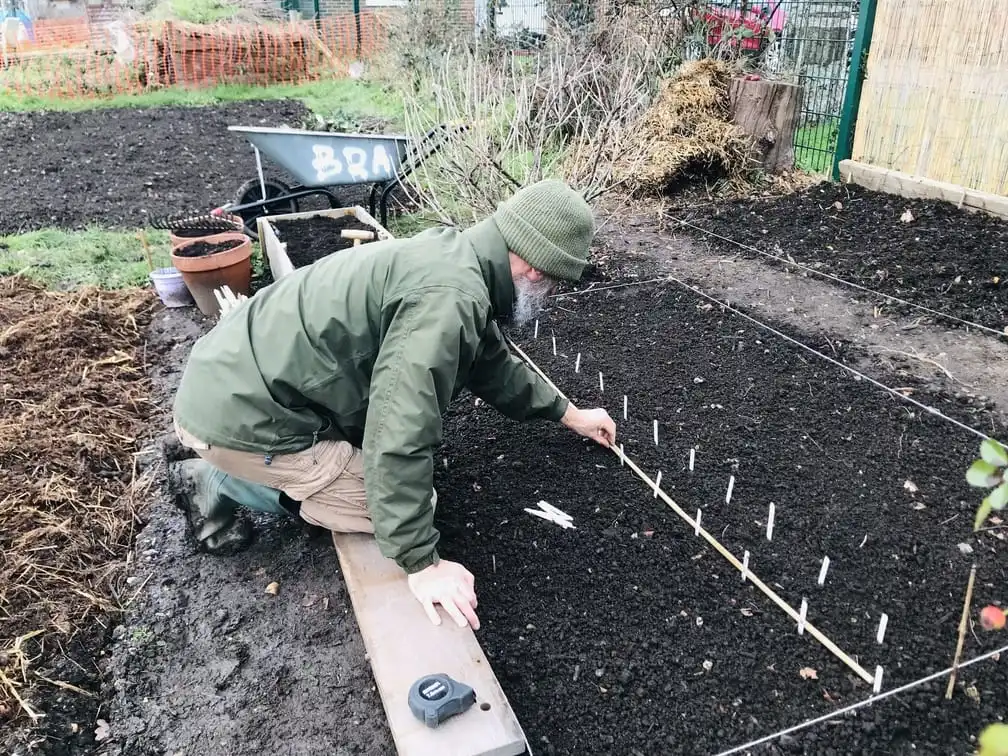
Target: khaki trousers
<point>327,479</point>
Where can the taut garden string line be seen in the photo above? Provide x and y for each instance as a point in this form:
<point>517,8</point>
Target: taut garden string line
<point>861,704</point>
<point>837,278</point>
<point>894,392</point>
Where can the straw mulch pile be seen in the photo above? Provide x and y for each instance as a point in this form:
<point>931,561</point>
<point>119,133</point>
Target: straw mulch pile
<point>686,135</point>
<point>74,402</point>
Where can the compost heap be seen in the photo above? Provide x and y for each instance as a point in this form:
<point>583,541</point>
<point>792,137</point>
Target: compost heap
<point>685,135</point>
<point>75,401</point>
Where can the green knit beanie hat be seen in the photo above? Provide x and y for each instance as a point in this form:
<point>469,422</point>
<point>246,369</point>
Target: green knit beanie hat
<point>549,226</point>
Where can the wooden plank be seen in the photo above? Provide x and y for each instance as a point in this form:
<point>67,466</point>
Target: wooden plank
<point>403,646</point>
<point>276,252</point>
<point>919,187</point>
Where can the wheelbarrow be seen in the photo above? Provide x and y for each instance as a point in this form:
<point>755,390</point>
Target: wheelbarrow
<point>321,162</point>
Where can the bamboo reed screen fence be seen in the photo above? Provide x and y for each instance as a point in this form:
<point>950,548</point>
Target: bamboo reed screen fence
<point>935,98</point>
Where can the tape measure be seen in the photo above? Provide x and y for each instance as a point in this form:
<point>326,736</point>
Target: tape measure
<point>435,698</point>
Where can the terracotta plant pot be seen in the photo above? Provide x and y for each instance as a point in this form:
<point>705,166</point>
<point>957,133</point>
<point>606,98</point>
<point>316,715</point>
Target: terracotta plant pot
<point>206,272</point>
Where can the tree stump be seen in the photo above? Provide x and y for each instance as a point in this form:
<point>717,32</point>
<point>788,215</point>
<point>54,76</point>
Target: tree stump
<point>767,111</point>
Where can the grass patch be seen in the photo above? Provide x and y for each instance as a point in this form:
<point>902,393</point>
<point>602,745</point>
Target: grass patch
<point>815,146</point>
<point>330,98</point>
<point>68,259</point>
<point>195,11</point>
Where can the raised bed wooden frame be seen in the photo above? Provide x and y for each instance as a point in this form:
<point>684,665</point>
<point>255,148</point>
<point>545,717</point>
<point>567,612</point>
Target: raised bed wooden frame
<point>276,251</point>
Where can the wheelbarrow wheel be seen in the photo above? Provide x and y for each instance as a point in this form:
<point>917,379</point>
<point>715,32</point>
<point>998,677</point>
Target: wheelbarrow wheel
<point>251,191</point>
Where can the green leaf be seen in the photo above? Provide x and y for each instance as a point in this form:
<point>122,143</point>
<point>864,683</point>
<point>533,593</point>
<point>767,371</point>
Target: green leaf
<point>998,497</point>
<point>994,452</point>
<point>982,513</point>
<point>993,741</point>
<point>982,474</point>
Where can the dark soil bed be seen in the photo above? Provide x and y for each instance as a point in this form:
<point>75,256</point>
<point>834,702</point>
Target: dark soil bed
<point>629,635</point>
<point>311,239</point>
<point>203,249</point>
<point>944,258</point>
<point>122,166</point>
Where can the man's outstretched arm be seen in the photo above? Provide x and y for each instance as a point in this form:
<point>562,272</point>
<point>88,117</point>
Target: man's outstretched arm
<point>511,387</point>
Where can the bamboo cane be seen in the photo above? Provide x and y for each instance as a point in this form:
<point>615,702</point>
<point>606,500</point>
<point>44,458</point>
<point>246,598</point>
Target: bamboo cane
<point>963,622</point>
<point>763,587</point>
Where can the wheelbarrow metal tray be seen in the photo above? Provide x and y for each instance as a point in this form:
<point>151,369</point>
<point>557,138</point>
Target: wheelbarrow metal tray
<point>275,251</point>
<point>322,158</point>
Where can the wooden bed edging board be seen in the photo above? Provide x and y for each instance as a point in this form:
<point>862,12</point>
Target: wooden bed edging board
<point>404,645</point>
<point>918,187</point>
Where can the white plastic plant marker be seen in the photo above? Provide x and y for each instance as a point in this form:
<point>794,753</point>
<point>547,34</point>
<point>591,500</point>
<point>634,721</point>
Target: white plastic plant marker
<point>554,345</point>
<point>550,517</point>
<point>622,456</point>
<point>577,363</point>
<point>801,617</point>
<point>657,484</point>
<point>601,385</point>
<point>696,528</point>
<point>692,459</point>
<point>731,486</point>
<point>535,334</point>
<point>656,433</point>
<point>823,569</point>
<point>745,566</point>
<point>624,407</point>
<point>883,623</point>
<point>877,685</point>
<point>549,508</point>
<point>769,522</point>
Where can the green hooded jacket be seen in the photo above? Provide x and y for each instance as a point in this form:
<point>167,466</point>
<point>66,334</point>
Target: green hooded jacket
<point>369,345</point>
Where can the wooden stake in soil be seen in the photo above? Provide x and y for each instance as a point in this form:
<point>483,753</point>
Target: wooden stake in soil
<point>963,622</point>
<point>146,249</point>
<point>719,547</point>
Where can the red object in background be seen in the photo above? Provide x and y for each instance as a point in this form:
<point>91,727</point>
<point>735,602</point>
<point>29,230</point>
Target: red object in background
<point>720,20</point>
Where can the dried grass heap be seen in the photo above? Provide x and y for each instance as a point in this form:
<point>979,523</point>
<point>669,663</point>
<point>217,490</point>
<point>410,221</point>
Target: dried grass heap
<point>686,134</point>
<point>75,398</point>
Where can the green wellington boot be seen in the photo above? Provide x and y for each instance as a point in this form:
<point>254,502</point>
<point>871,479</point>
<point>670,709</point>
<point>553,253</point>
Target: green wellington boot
<point>210,500</point>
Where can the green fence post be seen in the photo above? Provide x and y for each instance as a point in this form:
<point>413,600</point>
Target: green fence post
<point>852,95</point>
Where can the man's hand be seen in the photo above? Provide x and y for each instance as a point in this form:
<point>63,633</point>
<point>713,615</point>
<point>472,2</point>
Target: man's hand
<point>594,424</point>
<point>451,585</point>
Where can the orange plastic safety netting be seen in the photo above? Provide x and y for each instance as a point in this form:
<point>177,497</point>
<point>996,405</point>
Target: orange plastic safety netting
<point>78,58</point>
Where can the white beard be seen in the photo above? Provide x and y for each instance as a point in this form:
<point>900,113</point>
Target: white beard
<point>530,299</point>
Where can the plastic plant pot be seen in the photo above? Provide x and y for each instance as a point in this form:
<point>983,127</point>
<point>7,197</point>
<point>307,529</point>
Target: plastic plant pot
<point>204,268</point>
<point>171,287</point>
